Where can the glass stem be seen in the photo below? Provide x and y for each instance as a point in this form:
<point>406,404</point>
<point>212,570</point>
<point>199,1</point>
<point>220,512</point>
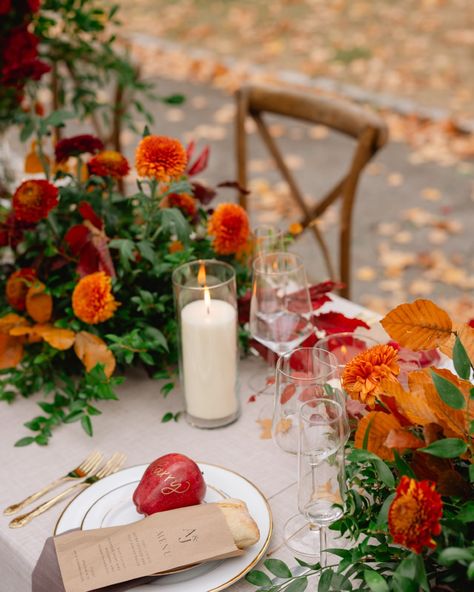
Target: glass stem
<point>323,546</point>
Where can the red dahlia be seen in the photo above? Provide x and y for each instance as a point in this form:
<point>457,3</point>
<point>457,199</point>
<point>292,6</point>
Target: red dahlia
<point>33,200</point>
<point>77,145</point>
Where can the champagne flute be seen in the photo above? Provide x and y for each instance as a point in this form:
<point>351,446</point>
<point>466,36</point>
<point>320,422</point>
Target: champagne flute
<point>321,477</point>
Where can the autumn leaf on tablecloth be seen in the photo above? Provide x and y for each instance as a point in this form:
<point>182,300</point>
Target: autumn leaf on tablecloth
<point>92,350</point>
<point>58,338</point>
<point>373,430</point>
<point>39,304</point>
<point>287,393</point>
<point>418,325</point>
<point>266,425</point>
<point>336,322</point>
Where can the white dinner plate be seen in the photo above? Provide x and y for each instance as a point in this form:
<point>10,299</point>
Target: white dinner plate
<point>109,503</point>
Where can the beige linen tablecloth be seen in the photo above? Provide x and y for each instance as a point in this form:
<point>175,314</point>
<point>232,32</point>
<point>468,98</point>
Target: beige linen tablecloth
<point>133,425</point>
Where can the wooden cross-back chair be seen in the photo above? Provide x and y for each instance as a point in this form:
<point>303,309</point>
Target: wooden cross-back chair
<point>366,127</point>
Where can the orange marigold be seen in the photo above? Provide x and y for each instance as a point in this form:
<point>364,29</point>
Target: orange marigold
<point>160,157</point>
<point>229,226</point>
<point>34,199</point>
<point>18,285</point>
<point>183,201</point>
<point>363,374</point>
<point>295,228</point>
<point>175,246</point>
<point>414,514</point>
<point>92,299</point>
<point>109,164</point>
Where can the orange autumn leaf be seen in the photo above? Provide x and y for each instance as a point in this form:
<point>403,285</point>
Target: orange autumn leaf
<point>39,304</point>
<point>379,425</point>
<point>412,405</point>
<point>92,350</point>
<point>453,421</point>
<point>56,337</point>
<point>11,351</point>
<point>418,325</point>
<point>402,439</point>
<point>11,320</point>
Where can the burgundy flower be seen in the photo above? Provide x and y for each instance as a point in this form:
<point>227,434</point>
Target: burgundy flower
<point>77,145</point>
<point>5,6</point>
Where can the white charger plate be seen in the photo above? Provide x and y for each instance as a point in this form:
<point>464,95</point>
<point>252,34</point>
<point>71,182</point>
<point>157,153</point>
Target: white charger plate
<point>109,503</point>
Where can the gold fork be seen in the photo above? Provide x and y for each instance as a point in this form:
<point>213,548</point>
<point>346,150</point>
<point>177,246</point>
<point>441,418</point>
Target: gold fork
<point>110,467</point>
<point>86,467</point>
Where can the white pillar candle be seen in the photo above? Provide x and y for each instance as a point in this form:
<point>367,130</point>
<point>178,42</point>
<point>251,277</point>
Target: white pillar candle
<point>209,344</point>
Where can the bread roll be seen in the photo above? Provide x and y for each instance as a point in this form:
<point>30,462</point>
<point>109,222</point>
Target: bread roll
<point>243,527</point>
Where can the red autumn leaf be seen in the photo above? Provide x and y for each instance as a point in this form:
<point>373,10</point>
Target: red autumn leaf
<point>287,394</point>
<point>269,356</point>
<point>203,193</point>
<point>234,185</point>
<point>252,399</point>
<point>89,242</point>
<point>190,150</point>
<point>318,290</point>
<point>318,302</point>
<point>77,237</point>
<point>336,322</point>
<point>310,393</point>
<point>200,163</point>
<point>87,212</point>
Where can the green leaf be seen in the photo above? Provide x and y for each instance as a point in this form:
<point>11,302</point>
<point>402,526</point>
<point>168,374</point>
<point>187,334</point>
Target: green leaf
<point>471,473</point>
<point>470,571</point>
<point>375,581</point>
<point>384,473</point>
<point>297,585</point>
<point>24,441</point>
<point>461,360</point>
<point>147,251</point>
<point>447,448</point>
<point>258,578</point>
<point>167,417</point>
<point>174,99</point>
<point>413,569</point>
<point>466,514</point>
<point>278,568</point>
<point>383,514</point>
<point>167,388</point>
<point>402,466</point>
<point>27,130</point>
<point>449,393</point>
<point>87,425</point>
<point>173,221</point>
<point>452,555</point>
<point>74,416</point>
<point>325,580</point>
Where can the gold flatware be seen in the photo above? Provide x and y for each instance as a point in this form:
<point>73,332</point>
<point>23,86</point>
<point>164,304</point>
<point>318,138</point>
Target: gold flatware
<point>87,466</point>
<point>110,467</point>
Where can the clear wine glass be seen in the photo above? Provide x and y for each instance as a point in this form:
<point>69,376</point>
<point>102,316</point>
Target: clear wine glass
<point>300,376</point>
<point>321,477</point>
<point>267,239</point>
<point>280,306</point>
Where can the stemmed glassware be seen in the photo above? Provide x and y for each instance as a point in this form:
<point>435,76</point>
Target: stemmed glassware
<point>267,239</point>
<point>301,375</point>
<point>280,307</point>
<point>321,476</point>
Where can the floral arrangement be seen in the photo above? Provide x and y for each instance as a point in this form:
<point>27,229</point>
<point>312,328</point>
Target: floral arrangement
<point>410,474</point>
<point>87,271</point>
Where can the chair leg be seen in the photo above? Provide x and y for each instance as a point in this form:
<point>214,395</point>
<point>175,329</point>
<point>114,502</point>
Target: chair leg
<point>241,145</point>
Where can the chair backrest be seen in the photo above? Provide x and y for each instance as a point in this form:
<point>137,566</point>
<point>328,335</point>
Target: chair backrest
<point>364,126</point>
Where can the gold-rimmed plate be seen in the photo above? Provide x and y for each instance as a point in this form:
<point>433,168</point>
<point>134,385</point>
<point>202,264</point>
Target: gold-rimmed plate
<point>109,503</point>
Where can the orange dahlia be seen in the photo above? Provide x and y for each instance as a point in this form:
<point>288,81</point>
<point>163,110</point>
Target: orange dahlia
<point>229,225</point>
<point>183,201</point>
<point>92,299</point>
<point>18,285</point>
<point>175,246</point>
<point>109,164</point>
<point>414,514</point>
<point>33,200</point>
<point>363,374</point>
<point>160,157</point>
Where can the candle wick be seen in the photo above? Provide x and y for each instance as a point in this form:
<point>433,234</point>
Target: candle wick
<point>207,299</point>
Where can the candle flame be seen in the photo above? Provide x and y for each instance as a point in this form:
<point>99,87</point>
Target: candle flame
<point>343,349</point>
<point>201,277</point>
<point>207,300</point>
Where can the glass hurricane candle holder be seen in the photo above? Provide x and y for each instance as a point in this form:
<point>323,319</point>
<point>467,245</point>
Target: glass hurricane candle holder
<point>205,297</point>
<point>345,347</point>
